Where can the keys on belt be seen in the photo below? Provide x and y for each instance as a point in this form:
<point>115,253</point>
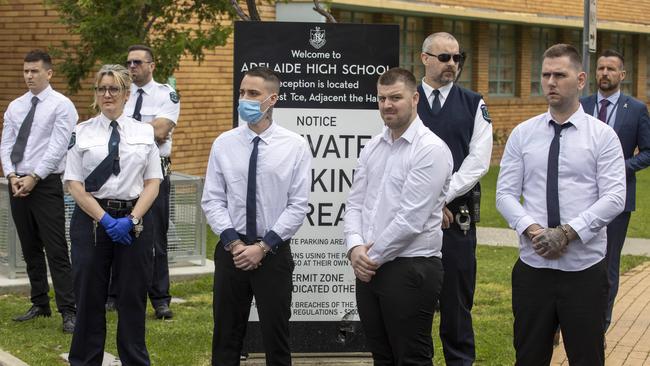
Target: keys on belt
<point>166,165</point>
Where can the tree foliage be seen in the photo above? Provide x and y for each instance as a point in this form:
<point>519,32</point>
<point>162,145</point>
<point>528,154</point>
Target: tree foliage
<point>172,28</point>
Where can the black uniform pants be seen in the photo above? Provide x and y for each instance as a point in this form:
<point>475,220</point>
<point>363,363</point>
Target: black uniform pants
<point>616,231</point>
<point>159,289</point>
<point>544,298</point>
<point>396,309</point>
<point>40,223</point>
<point>93,254</point>
<point>272,285</point>
<point>457,295</point>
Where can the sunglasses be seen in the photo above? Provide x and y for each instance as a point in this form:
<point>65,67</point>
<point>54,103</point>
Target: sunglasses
<point>136,62</point>
<point>445,57</point>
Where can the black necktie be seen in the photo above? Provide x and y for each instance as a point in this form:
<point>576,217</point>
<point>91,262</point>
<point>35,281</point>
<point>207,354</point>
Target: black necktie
<point>138,106</point>
<point>110,164</point>
<point>602,112</point>
<point>23,134</point>
<point>435,105</point>
<point>251,220</point>
<point>552,196</point>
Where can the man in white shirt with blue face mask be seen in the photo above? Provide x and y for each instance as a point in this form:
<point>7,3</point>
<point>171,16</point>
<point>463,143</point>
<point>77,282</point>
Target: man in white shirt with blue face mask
<point>255,198</point>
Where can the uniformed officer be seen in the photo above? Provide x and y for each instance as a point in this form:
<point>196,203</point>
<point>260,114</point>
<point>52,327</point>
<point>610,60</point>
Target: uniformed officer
<point>460,118</point>
<point>113,173</point>
<point>156,104</point>
<point>35,134</point>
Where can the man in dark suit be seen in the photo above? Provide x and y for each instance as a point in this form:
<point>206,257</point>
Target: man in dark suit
<point>629,118</point>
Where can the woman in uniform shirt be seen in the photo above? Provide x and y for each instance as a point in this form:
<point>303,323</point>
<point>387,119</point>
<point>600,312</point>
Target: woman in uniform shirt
<point>113,173</point>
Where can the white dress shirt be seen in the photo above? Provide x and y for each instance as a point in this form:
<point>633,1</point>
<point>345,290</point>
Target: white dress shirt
<point>612,108</point>
<point>398,193</point>
<point>54,119</point>
<point>282,184</point>
<point>477,162</point>
<point>157,102</point>
<point>591,181</point>
<point>139,159</point>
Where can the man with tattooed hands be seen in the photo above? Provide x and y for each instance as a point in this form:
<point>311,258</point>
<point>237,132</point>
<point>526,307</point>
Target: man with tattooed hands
<point>568,167</point>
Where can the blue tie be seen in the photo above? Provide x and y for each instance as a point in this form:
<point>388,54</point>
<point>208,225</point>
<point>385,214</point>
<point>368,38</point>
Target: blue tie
<point>23,134</point>
<point>110,164</point>
<point>435,105</point>
<point>138,106</point>
<point>552,195</point>
<point>251,219</point>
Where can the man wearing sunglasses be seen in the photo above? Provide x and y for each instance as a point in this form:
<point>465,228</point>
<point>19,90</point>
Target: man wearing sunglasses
<point>159,105</point>
<point>460,118</point>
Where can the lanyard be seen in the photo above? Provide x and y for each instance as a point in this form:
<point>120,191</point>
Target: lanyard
<point>609,115</point>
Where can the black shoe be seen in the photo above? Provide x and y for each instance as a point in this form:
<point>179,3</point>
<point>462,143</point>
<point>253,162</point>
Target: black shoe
<point>34,312</point>
<point>110,304</point>
<point>164,312</point>
<point>69,319</point>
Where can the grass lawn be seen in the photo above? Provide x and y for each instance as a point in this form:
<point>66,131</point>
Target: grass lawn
<point>638,228</point>
<point>187,339</point>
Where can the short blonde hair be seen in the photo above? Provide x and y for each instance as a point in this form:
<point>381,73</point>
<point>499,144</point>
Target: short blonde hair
<point>119,73</point>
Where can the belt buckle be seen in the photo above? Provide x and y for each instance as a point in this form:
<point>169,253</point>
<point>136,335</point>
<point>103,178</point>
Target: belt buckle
<point>114,204</point>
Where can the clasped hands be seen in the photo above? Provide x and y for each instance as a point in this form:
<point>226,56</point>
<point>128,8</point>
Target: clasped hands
<point>119,230</point>
<point>248,257</point>
<point>21,187</point>
<point>364,267</point>
<point>549,243</point>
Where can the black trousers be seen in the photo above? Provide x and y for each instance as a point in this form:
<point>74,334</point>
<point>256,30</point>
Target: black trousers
<point>93,254</point>
<point>544,298</point>
<point>40,223</point>
<point>396,309</point>
<point>457,295</point>
<point>616,232</point>
<point>271,284</point>
<point>159,289</point>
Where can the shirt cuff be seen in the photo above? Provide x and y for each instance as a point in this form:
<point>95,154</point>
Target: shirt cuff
<point>42,173</point>
<point>523,224</point>
<point>353,240</point>
<point>272,239</point>
<point>227,237</point>
<point>579,226</point>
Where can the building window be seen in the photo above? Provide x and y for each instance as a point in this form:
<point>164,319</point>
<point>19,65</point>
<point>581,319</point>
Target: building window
<point>623,43</point>
<point>502,60</point>
<point>541,40</point>
<point>462,30</point>
<point>411,35</point>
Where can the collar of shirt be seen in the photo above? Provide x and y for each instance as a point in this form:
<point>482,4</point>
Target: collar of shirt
<point>578,118</point>
<point>106,122</point>
<point>42,95</point>
<point>408,135</point>
<point>147,88</point>
<point>613,99</point>
<point>265,136</point>
<point>444,92</point>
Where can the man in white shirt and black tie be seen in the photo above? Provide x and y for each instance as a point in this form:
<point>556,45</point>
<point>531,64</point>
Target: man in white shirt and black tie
<point>256,198</point>
<point>393,227</point>
<point>35,137</point>
<point>569,169</point>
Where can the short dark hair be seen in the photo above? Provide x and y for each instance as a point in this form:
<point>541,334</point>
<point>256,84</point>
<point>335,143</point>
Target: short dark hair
<point>39,55</point>
<point>397,74</point>
<point>268,75</point>
<point>613,53</point>
<point>563,49</point>
<point>141,47</point>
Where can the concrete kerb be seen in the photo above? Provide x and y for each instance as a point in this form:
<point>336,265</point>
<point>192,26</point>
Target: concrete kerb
<point>7,359</point>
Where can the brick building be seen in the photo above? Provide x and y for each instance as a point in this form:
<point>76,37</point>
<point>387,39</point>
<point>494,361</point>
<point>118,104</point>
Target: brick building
<point>504,40</point>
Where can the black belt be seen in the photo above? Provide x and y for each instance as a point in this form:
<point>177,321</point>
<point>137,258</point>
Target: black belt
<point>112,204</point>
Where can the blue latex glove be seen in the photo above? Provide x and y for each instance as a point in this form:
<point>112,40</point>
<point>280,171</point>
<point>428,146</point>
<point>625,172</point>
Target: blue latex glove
<point>121,230</point>
<point>107,221</point>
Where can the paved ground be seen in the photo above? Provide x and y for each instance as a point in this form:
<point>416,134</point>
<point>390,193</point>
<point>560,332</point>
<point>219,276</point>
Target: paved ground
<point>628,339</point>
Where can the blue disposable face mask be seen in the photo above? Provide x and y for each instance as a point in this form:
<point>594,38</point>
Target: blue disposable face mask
<point>250,110</point>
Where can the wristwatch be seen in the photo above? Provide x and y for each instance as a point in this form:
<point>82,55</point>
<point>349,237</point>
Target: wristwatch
<point>135,220</point>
